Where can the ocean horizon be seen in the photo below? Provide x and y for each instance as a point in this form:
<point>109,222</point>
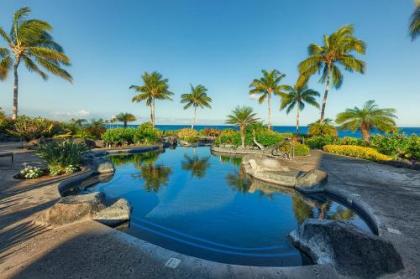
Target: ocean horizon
<point>277,128</point>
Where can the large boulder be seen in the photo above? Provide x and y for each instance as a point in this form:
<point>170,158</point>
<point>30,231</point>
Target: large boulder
<point>102,165</point>
<point>281,172</point>
<point>71,209</point>
<point>115,214</point>
<point>352,251</point>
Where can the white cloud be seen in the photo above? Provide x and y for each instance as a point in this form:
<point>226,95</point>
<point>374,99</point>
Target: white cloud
<point>254,96</point>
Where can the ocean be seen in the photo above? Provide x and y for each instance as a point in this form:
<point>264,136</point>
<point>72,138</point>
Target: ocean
<point>280,129</point>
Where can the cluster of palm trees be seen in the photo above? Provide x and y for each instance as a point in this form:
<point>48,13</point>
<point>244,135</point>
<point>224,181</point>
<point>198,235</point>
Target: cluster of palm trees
<point>155,87</point>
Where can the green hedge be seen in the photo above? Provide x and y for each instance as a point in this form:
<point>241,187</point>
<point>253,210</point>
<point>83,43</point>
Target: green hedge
<point>398,145</point>
<point>264,136</point>
<point>144,134</point>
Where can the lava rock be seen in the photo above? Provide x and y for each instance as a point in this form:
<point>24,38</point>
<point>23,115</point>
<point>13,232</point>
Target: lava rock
<point>70,209</point>
<point>352,251</point>
<point>102,165</point>
<point>115,214</point>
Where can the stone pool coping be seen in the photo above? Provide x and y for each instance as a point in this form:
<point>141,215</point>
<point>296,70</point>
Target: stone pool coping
<point>93,237</point>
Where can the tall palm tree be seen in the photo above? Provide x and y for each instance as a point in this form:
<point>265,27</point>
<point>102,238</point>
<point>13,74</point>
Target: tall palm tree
<point>242,117</point>
<point>154,87</point>
<point>415,22</point>
<point>297,97</point>
<point>196,98</point>
<point>30,42</point>
<point>124,117</point>
<point>367,118</point>
<point>266,86</point>
<point>337,51</point>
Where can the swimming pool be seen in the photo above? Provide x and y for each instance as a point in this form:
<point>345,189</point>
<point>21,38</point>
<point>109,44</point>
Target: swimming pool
<point>197,203</point>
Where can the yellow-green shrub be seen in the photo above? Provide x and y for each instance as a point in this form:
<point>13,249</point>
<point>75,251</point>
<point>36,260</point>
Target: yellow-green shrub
<point>357,151</point>
<point>189,135</point>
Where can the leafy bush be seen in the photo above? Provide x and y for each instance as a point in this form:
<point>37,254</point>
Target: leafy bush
<point>34,128</point>
<point>144,134</point>
<point>31,172</point>
<point>228,137</point>
<point>299,148</point>
<point>357,151</point>
<point>263,136</point>
<point>189,135</point>
<point>210,132</point>
<point>318,142</point>
<point>95,129</point>
<point>147,134</point>
<point>322,129</point>
<point>61,156</point>
<point>398,145</point>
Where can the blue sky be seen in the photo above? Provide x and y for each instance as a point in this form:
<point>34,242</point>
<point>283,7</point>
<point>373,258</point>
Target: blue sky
<point>222,44</point>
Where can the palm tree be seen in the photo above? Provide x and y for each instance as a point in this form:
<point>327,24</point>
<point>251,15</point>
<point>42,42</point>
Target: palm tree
<point>154,87</point>
<point>242,117</point>
<point>197,166</point>
<point>154,176</point>
<point>367,118</point>
<point>196,98</point>
<point>415,22</point>
<point>326,59</point>
<point>5,62</point>
<point>266,86</point>
<point>124,117</point>
<point>297,97</point>
<point>30,42</point>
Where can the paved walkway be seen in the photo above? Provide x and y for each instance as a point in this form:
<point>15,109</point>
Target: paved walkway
<point>92,250</point>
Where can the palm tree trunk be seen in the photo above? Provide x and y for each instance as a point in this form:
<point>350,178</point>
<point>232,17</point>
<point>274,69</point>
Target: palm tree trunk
<point>324,99</point>
<point>151,114</point>
<point>297,120</point>
<point>125,124</point>
<point>242,131</point>
<point>154,113</point>
<point>195,118</point>
<point>269,111</point>
<point>365,132</point>
<point>15,89</point>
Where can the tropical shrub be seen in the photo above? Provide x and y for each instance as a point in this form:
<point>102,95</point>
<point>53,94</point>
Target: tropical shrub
<point>357,151</point>
<point>210,132</point>
<point>61,156</point>
<point>31,172</point>
<point>351,141</point>
<point>95,129</point>
<point>299,149</point>
<point>398,145</point>
<point>263,136</point>
<point>324,128</point>
<point>147,134</point>
<point>33,128</point>
<point>189,135</point>
<point>228,137</point>
<point>119,136</point>
<point>318,142</point>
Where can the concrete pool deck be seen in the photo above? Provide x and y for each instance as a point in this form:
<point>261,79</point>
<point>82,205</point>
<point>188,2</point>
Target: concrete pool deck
<point>92,250</point>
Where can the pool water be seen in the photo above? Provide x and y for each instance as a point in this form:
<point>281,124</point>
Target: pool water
<point>201,204</point>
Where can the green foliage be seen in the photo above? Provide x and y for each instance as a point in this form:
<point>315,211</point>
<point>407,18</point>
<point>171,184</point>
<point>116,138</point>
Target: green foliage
<point>95,129</point>
<point>299,148</point>
<point>398,145</point>
<point>415,23</point>
<point>147,134</point>
<point>210,132</point>
<point>351,141</point>
<point>263,136</point>
<point>318,142</point>
<point>61,156</point>
<point>144,134</point>
<point>124,117</point>
<point>33,128</point>
<point>324,128</point>
<point>189,135</point>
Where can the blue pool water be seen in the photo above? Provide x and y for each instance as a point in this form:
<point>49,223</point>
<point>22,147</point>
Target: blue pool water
<point>200,204</point>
